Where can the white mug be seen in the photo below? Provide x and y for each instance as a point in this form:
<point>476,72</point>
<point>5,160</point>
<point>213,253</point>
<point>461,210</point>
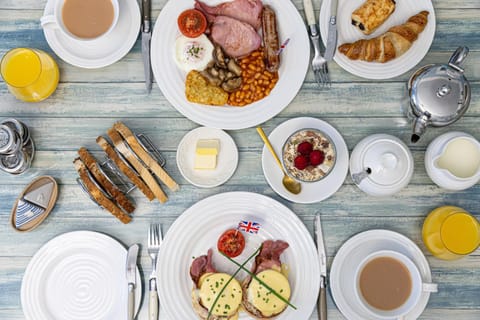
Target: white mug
<point>55,20</point>
<point>418,286</point>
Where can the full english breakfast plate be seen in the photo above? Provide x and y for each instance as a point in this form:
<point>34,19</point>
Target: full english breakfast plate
<point>259,218</point>
<point>171,79</point>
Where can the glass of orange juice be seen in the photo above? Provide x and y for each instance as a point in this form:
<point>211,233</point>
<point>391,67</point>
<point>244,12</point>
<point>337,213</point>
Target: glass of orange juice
<point>451,233</point>
<point>30,74</point>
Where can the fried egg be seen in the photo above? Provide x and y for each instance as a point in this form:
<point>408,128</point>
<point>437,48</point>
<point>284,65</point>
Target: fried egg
<point>193,53</point>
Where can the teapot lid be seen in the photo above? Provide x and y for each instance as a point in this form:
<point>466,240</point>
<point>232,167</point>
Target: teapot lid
<point>441,91</point>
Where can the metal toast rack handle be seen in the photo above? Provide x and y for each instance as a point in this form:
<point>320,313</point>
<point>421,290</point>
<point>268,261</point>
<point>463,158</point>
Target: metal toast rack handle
<point>115,176</point>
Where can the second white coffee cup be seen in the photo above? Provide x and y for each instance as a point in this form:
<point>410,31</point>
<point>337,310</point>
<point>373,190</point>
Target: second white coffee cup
<point>83,20</point>
<point>374,278</point>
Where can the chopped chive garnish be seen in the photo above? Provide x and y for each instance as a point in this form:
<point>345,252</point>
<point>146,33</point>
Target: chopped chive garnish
<point>242,267</point>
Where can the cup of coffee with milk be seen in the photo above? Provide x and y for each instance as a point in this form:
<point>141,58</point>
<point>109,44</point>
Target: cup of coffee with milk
<point>83,20</point>
<point>389,285</point>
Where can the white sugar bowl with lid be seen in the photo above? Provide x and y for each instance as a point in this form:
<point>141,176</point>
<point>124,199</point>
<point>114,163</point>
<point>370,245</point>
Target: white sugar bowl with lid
<point>452,161</point>
<point>381,165</point>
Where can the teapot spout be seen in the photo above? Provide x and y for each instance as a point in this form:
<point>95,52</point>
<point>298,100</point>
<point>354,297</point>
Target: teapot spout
<point>419,127</point>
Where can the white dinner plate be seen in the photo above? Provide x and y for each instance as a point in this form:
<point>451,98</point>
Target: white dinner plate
<point>78,275</point>
<point>227,159</point>
<point>171,80</point>
<point>347,33</point>
<point>311,191</point>
<point>101,52</point>
<point>198,229</point>
<point>353,251</point>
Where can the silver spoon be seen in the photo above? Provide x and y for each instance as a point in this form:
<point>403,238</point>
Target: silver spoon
<point>288,182</point>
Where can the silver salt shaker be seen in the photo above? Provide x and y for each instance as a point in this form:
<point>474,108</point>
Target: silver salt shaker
<point>17,148</point>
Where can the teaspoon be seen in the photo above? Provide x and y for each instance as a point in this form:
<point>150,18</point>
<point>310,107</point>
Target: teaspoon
<point>288,182</point>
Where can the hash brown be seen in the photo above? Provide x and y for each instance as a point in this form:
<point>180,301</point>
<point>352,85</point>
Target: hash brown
<point>199,90</point>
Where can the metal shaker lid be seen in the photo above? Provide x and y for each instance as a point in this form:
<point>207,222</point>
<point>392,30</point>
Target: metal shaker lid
<point>8,140</point>
<point>20,127</point>
<point>440,91</point>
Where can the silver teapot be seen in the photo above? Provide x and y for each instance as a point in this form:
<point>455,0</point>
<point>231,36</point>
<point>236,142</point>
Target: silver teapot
<point>439,94</point>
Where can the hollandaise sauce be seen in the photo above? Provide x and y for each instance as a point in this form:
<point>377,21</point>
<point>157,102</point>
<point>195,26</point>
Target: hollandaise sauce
<point>231,297</point>
<point>263,299</point>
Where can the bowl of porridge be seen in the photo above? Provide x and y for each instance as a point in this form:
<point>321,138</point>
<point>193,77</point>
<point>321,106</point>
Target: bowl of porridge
<point>308,155</point>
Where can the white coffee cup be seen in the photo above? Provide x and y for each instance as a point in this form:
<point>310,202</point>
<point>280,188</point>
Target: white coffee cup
<point>418,286</point>
<point>55,20</point>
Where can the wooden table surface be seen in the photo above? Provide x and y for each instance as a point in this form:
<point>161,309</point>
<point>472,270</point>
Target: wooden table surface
<point>87,102</point>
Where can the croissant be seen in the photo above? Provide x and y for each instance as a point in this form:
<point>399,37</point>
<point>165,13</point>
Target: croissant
<point>390,45</point>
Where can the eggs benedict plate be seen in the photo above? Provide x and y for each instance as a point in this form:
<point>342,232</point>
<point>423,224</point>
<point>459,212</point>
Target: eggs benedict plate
<point>184,293</point>
<point>220,295</point>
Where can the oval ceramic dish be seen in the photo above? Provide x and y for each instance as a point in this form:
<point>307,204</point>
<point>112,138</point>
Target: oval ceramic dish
<point>34,204</point>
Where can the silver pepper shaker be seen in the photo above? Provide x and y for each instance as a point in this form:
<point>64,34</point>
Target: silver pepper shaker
<point>17,148</point>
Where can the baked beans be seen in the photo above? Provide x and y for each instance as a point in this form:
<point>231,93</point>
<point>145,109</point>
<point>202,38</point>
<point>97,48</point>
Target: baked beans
<point>257,82</point>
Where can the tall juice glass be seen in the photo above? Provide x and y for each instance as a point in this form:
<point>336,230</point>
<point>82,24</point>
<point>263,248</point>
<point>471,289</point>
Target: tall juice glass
<point>451,233</point>
<point>30,74</point>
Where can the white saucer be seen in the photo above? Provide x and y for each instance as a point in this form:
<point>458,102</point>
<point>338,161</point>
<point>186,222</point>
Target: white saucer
<point>353,251</point>
<point>227,159</point>
<point>311,191</point>
<point>101,52</point>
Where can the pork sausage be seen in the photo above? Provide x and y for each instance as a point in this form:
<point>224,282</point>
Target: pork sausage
<point>270,39</point>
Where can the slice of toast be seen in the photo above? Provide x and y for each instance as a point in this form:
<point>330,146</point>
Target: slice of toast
<point>139,167</point>
<point>126,170</point>
<point>132,141</point>
<point>94,168</point>
<point>97,194</point>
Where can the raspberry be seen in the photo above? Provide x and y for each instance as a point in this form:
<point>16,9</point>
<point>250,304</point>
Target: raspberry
<point>304,148</point>
<point>301,162</point>
<point>316,157</point>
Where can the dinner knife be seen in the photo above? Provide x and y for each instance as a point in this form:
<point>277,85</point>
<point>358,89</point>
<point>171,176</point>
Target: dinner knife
<point>332,32</point>
<point>131,273</point>
<point>322,256</point>
<point>146,37</point>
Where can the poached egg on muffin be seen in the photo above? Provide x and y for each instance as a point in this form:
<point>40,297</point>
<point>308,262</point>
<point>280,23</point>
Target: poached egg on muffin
<point>257,299</point>
<point>208,284</point>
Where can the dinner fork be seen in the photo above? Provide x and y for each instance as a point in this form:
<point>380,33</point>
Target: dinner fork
<point>319,64</point>
<point>154,242</point>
